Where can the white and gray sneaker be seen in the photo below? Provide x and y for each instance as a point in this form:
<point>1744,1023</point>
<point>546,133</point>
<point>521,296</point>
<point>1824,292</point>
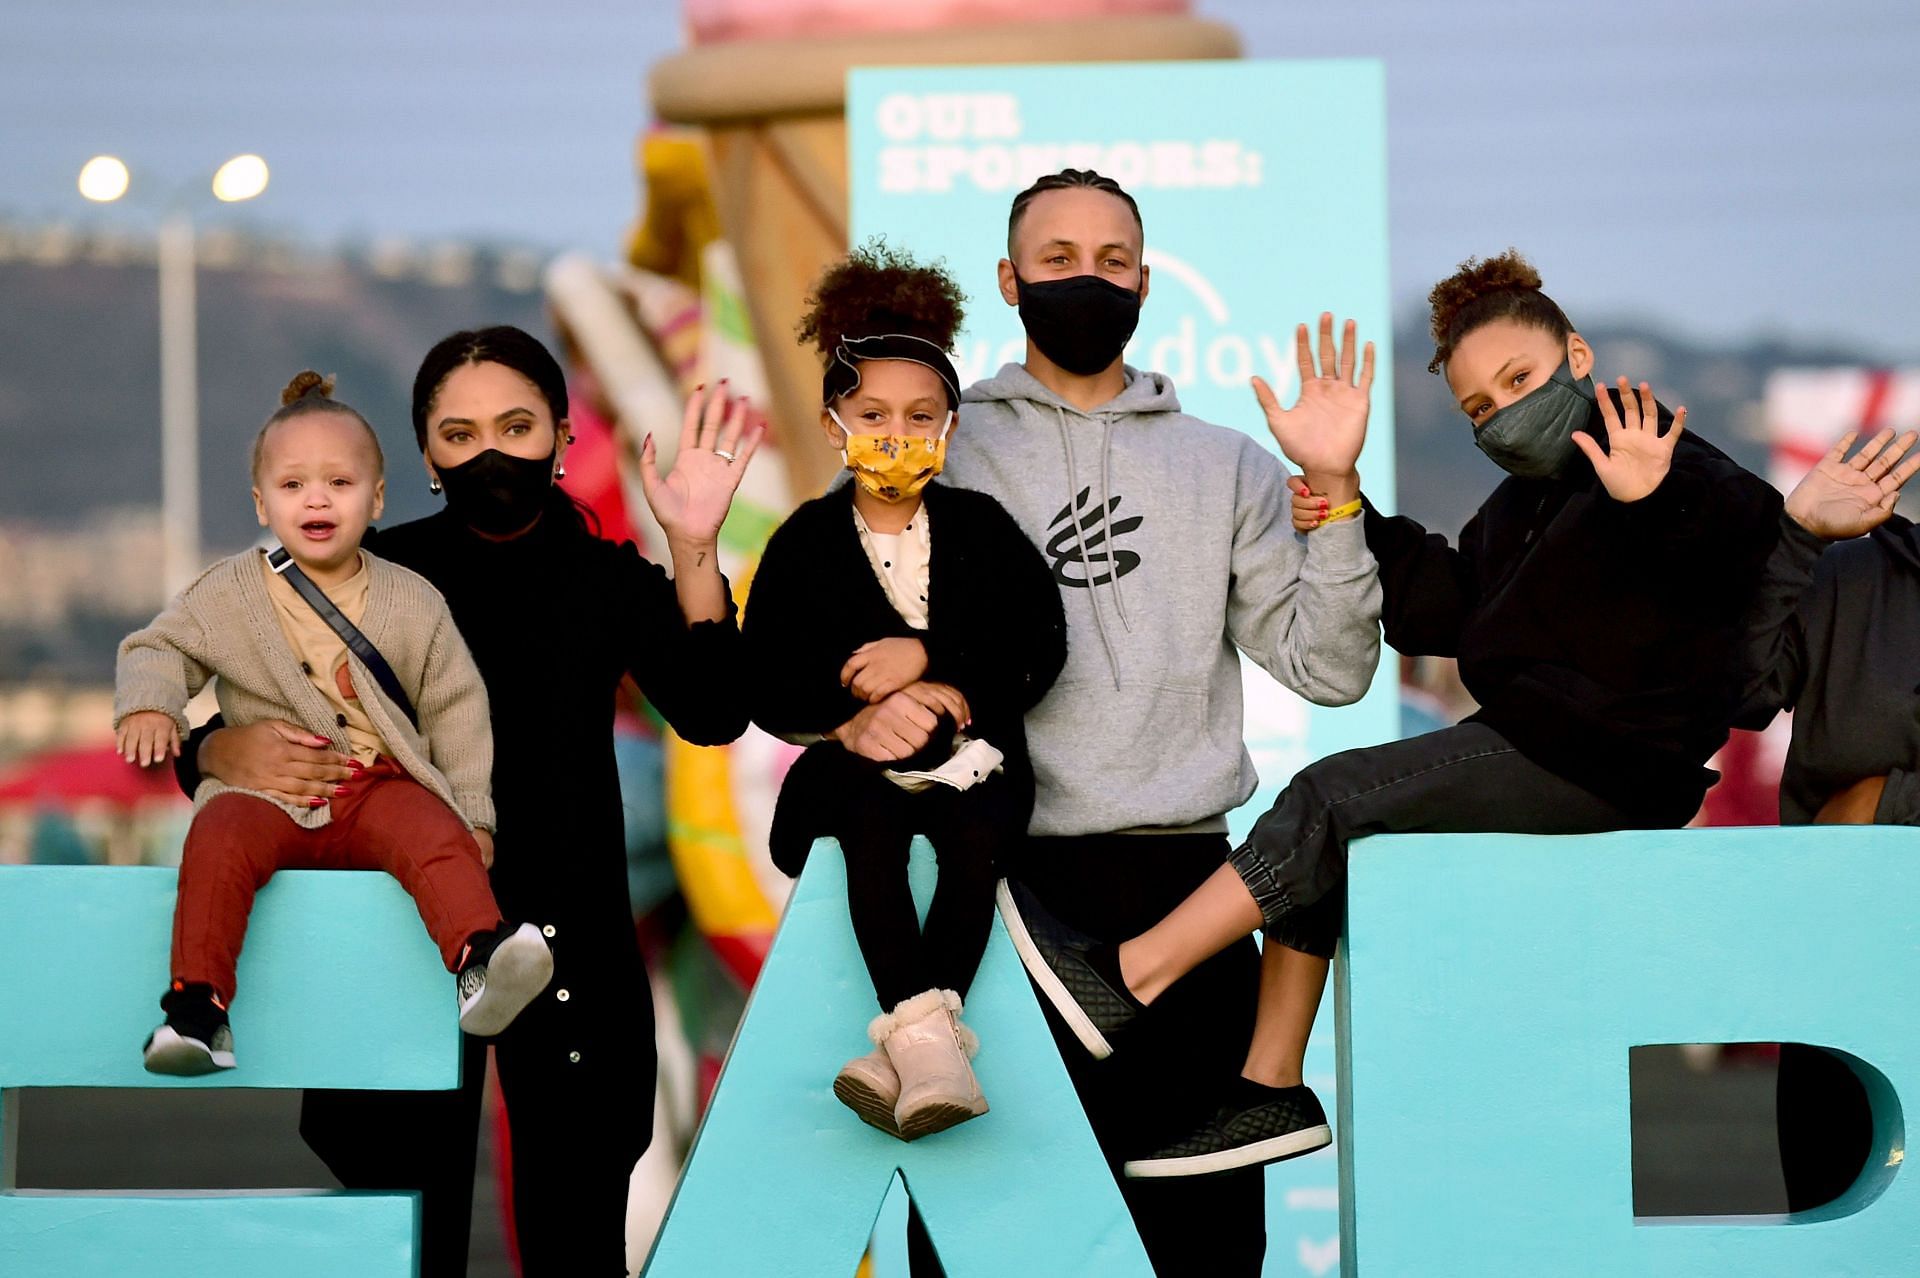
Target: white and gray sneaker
<point>170,1051</point>
<point>495,989</point>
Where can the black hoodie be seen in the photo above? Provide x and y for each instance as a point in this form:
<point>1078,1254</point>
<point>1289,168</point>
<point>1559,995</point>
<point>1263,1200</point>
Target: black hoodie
<point>1835,637</point>
<point>1599,637</point>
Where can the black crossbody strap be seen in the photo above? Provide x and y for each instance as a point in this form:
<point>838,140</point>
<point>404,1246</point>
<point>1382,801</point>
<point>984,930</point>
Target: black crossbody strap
<point>358,644</point>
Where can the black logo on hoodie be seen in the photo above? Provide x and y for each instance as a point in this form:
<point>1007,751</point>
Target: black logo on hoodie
<point>1079,547</point>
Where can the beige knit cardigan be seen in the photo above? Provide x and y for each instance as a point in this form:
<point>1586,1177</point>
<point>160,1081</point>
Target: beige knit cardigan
<point>223,627</point>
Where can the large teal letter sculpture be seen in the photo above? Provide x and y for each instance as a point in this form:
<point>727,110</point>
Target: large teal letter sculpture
<point>783,1179</point>
<point>1491,992</point>
<point>339,987</point>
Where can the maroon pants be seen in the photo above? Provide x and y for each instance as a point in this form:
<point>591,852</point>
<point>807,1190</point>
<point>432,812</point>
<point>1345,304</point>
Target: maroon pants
<point>385,821</point>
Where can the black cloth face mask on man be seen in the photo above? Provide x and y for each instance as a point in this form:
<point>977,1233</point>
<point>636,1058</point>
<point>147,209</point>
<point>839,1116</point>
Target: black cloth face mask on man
<point>1081,323</point>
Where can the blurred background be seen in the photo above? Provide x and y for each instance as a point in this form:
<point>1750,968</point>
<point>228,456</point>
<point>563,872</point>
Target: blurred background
<point>1721,195</point>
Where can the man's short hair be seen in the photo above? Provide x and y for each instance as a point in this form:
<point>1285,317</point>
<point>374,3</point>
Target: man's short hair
<point>1066,179</point>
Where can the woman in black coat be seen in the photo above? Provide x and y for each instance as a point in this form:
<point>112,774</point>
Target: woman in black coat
<point>556,618</point>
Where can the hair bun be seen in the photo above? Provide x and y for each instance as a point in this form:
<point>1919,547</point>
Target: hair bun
<point>1480,291</point>
<point>1476,278</point>
<point>305,383</point>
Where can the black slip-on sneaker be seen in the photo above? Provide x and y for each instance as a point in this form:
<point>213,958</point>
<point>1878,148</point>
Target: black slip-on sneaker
<point>1055,955</point>
<point>1241,1135</point>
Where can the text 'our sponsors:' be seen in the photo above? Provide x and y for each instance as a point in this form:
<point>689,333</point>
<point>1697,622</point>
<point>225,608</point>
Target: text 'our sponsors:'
<point>940,140</point>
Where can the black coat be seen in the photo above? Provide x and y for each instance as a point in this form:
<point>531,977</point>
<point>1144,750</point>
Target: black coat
<point>995,630</point>
<point>1835,637</point>
<point>1599,637</point>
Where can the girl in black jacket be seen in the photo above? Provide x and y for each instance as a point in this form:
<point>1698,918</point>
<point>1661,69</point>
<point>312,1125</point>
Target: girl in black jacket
<point>903,628</point>
<point>1595,605</point>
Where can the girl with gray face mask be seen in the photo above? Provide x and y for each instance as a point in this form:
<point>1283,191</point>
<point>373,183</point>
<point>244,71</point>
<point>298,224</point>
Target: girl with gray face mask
<point>1595,604</point>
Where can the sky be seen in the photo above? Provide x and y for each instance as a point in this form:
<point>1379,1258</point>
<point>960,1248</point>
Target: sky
<point>1723,169</point>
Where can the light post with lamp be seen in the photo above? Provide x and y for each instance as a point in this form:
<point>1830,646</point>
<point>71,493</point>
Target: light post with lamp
<point>105,179</point>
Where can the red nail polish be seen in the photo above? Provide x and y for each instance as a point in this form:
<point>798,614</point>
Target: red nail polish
<point>339,792</point>
<point>323,740</point>
<point>316,802</point>
<point>356,765</point>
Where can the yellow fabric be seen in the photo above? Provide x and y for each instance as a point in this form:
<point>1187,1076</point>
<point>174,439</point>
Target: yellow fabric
<point>322,654</point>
<point>895,467</point>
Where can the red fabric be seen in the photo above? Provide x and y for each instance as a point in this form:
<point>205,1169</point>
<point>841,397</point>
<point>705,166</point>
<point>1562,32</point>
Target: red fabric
<point>64,778</point>
<point>385,821</point>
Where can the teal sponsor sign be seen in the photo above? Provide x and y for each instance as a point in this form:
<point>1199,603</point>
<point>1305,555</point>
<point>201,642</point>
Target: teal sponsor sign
<point>1262,187</point>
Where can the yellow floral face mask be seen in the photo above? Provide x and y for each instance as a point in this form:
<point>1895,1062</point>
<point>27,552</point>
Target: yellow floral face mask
<point>893,467</point>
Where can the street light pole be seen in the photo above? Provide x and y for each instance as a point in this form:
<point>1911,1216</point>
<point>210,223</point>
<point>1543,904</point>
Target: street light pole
<point>104,179</point>
<point>179,404</point>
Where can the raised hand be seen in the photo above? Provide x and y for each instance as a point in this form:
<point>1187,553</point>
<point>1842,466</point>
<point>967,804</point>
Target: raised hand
<point>1637,455</point>
<point>1843,498</point>
<point>147,737</point>
<point>1323,432</point>
<point>718,437</point>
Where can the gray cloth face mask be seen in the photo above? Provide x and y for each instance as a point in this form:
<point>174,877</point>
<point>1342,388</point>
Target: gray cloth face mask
<point>1532,438</point>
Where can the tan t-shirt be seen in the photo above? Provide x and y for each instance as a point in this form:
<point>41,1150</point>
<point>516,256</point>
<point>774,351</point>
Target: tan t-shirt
<point>322,654</point>
<point>903,562</point>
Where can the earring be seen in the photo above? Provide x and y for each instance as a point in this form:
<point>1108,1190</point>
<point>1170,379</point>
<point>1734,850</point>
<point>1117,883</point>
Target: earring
<point>561,473</point>
<point>569,438</point>
<point>433,485</point>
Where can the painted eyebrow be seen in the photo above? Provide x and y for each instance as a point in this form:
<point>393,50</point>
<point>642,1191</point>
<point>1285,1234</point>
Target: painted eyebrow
<point>1496,377</point>
<point>468,421</point>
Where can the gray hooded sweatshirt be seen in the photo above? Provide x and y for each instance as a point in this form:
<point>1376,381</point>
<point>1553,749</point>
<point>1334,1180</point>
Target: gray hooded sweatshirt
<point>1173,545</point>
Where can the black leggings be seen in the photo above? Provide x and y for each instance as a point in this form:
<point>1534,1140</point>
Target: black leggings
<point>970,830</point>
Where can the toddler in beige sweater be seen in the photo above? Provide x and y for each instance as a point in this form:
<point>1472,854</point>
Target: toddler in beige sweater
<point>419,805</point>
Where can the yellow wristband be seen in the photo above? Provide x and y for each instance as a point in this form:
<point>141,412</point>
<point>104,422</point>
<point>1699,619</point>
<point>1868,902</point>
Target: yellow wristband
<point>1339,513</point>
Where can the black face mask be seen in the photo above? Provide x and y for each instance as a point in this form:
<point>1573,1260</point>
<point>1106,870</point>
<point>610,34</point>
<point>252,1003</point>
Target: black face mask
<point>498,493</point>
<point>1081,323</point>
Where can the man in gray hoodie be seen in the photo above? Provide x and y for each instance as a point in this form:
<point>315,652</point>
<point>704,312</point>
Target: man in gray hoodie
<point>1172,544</point>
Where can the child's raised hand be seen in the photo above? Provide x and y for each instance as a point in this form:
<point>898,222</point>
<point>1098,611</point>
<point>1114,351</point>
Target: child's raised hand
<point>147,737</point>
<point>879,669</point>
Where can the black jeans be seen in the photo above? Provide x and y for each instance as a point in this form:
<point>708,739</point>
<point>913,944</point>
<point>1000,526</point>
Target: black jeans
<point>971,830</point>
<point>1462,780</point>
<point>1170,1080</point>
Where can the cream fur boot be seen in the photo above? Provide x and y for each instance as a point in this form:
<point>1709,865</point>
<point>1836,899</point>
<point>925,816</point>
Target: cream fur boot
<point>868,1086</point>
<point>929,1049</point>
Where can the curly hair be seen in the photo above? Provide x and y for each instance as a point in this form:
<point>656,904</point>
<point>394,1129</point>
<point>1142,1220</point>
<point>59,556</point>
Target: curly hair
<point>1505,287</point>
<point>876,289</point>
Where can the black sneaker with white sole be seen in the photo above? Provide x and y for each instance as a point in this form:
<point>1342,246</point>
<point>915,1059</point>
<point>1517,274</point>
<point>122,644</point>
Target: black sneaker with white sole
<point>196,1038</point>
<point>1095,1005</point>
<point>1286,1123</point>
<point>503,974</point>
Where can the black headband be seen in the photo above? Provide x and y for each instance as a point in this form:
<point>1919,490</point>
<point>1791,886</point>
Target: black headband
<point>842,377</point>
